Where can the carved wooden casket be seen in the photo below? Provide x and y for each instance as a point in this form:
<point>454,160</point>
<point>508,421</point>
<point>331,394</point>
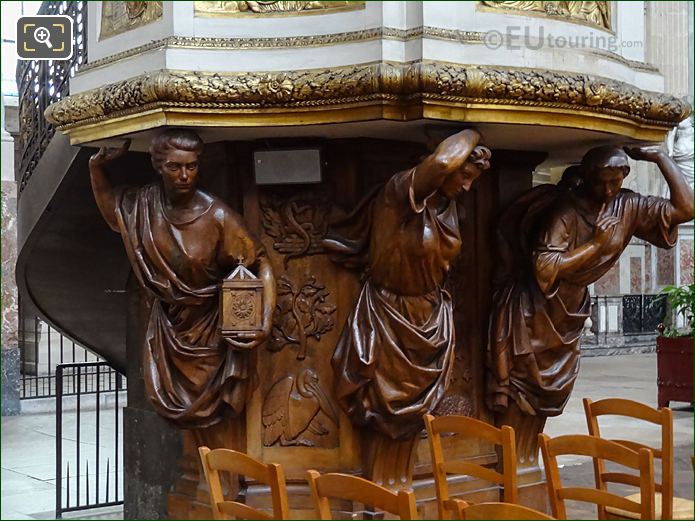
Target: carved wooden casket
<point>241,302</point>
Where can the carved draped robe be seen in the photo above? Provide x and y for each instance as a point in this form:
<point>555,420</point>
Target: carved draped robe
<point>538,315</point>
<point>191,374</point>
<point>394,357</point>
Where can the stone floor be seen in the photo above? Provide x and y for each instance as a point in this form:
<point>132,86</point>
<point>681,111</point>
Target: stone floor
<point>28,488</point>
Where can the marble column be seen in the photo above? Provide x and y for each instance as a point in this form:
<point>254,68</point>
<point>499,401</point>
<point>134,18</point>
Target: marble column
<point>10,339</point>
<point>669,31</point>
<point>685,246</point>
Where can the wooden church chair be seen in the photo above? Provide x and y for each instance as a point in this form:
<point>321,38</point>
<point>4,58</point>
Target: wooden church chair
<point>642,461</point>
<point>470,427</point>
<point>667,507</point>
<point>353,488</point>
<point>238,463</point>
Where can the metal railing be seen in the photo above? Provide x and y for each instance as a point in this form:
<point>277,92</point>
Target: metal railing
<point>614,315</point>
<point>97,425</point>
<point>643,313</point>
<point>40,83</point>
<point>43,348</point>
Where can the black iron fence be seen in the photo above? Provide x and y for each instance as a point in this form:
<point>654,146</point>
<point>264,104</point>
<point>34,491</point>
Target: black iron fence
<point>43,348</point>
<point>89,441</point>
<point>613,315</point>
<point>89,397</point>
<point>643,313</point>
<point>42,82</point>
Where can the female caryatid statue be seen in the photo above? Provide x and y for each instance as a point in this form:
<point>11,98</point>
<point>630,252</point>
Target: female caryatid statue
<point>553,242</point>
<point>181,242</point>
<point>393,360</point>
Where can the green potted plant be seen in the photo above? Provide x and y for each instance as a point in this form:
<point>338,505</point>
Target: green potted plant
<point>674,347</point>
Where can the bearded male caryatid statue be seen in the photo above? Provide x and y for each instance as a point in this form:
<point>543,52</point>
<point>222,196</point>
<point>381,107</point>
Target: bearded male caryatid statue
<point>552,243</point>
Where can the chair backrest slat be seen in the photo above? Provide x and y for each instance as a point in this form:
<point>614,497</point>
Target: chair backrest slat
<point>599,497</point>
<point>621,477</point>
<point>642,461</point>
<point>472,469</point>
<point>354,488</point>
<point>625,407</point>
<point>238,463</point>
<point>241,511</point>
<point>467,426</point>
<point>243,464</point>
<point>495,510</point>
<point>634,445</point>
<point>470,427</point>
<point>582,445</point>
<point>631,409</point>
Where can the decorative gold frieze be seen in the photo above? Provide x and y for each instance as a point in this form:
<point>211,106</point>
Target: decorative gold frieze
<point>596,13</point>
<point>371,83</point>
<point>119,17</point>
<point>322,40</point>
<point>273,8</point>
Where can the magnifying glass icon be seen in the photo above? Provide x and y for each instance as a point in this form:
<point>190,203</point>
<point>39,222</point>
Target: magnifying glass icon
<point>43,35</point>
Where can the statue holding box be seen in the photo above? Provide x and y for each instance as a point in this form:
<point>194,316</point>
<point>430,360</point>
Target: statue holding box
<point>182,243</point>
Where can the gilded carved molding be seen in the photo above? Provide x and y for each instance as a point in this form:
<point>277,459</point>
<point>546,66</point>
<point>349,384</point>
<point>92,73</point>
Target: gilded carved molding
<point>380,82</point>
<point>597,13</point>
<point>322,40</point>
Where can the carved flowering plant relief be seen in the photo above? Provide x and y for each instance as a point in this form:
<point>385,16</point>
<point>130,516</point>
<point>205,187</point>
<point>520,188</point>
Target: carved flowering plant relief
<point>303,312</point>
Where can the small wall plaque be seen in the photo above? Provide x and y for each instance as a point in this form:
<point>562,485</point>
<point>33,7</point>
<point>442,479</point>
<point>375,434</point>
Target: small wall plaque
<point>287,166</point>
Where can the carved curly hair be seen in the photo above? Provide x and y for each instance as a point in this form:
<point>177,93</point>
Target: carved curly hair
<point>480,157</point>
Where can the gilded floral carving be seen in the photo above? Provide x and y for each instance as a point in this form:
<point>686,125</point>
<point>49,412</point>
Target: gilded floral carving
<point>372,82</point>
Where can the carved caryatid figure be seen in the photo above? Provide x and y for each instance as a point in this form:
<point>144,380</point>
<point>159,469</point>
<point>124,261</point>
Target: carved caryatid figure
<point>393,360</point>
<point>181,242</point>
<point>553,242</point>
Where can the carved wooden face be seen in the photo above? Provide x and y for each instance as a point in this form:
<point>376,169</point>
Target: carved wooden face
<point>604,183</point>
<point>461,180</point>
<point>179,172</point>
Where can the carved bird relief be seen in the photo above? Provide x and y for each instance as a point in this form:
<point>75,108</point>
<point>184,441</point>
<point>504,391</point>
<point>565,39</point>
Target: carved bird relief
<point>291,408</point>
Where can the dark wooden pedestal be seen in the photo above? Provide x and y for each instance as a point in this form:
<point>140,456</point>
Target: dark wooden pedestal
<point>674,362</point>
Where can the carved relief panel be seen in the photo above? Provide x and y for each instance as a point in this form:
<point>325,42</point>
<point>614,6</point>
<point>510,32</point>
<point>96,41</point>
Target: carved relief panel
<point>297,222</point>
<point>119,17</point>
<point>273,7</point>
<point>304,312</point>
<point>596,13</point>
<point>297,412</point>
